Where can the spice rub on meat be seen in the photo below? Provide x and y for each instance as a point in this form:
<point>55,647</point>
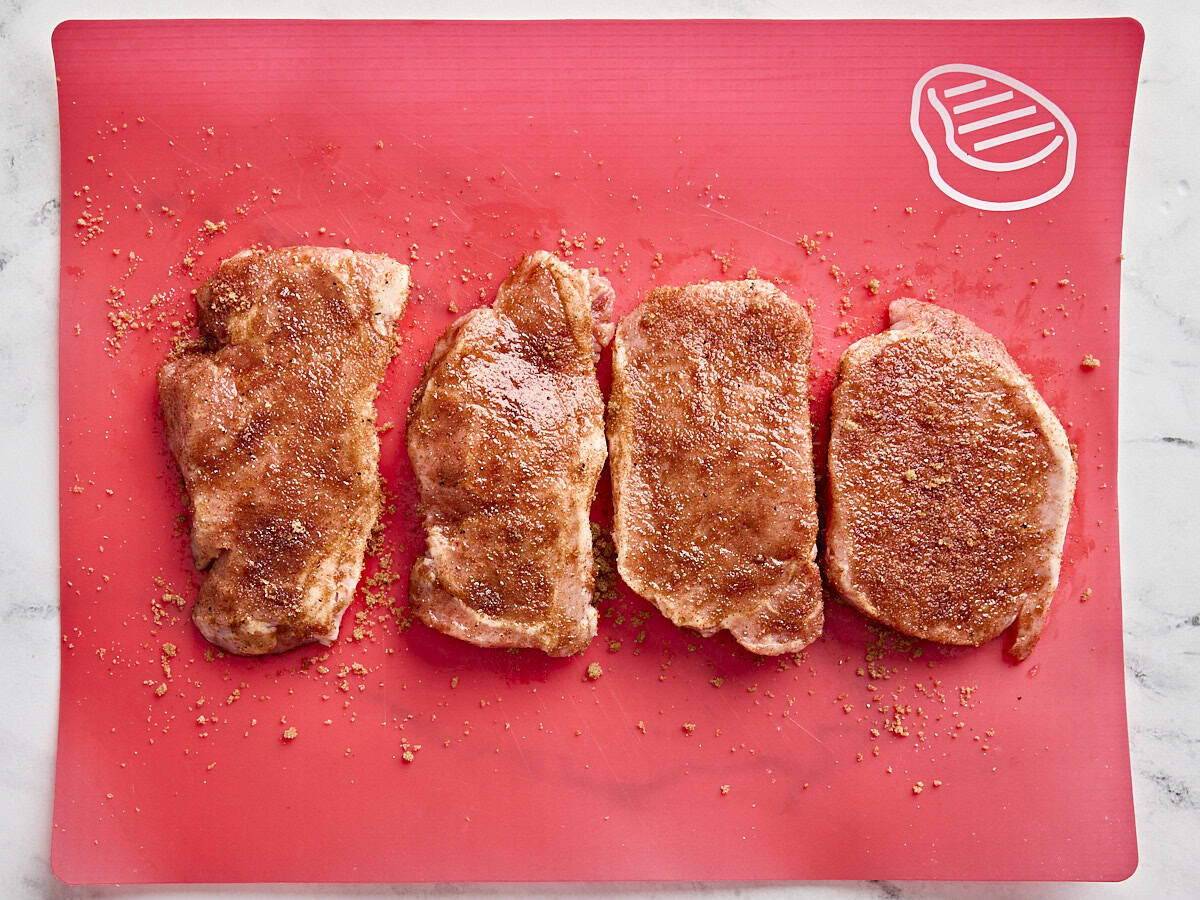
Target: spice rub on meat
<point>708,426</point>
<point>950,480</point>
<point>506,437</point>
<point>272,422</point>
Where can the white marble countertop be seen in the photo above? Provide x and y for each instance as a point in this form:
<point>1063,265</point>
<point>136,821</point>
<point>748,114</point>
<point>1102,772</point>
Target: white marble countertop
<point>1160,434</point>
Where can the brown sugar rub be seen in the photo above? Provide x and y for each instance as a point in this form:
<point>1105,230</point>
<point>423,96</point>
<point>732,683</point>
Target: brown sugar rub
<point>713,491</point>
<point>272,421</point>
<point>506,437</point>
<point>950,481</point>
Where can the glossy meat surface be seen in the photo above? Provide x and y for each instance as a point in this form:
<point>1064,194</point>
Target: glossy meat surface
<point>951,483</point>
<point>711,457</point>
<point>506,437</point>
<point>272,423</point>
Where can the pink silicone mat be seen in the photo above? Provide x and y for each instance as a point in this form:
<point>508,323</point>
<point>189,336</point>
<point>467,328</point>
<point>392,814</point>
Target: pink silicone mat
<point>848,161</point>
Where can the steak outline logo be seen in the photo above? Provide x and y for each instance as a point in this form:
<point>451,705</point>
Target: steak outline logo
<point>1009,88</point>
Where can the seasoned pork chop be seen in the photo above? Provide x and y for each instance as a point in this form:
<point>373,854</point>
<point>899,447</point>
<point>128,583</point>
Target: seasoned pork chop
<point>715,511</point>
<point>506,436</point>
<point>951,483</point>
<point>272,422</point>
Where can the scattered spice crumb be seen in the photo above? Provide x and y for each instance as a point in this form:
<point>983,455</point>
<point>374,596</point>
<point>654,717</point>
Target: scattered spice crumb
<point>594,671</point>
<point>290,733</point>
<point>1090,362</point>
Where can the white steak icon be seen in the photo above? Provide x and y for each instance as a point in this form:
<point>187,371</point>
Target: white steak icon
<point>992,142</point>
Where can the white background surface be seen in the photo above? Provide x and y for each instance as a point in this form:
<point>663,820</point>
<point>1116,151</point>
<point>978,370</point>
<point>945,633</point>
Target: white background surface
<point>1159,442</point>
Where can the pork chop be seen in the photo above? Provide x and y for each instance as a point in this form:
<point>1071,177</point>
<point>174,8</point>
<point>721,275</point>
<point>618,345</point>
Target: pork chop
<point>506,436</point>
<point>950,480</point>
<point>272,422</point>
<point>715,510</point>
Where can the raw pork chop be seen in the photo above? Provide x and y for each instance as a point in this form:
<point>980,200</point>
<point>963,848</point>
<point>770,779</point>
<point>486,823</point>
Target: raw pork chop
<point>951,483</point>
<point>273,425</point>
<point>716,516</point>
<point>506,436</point>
